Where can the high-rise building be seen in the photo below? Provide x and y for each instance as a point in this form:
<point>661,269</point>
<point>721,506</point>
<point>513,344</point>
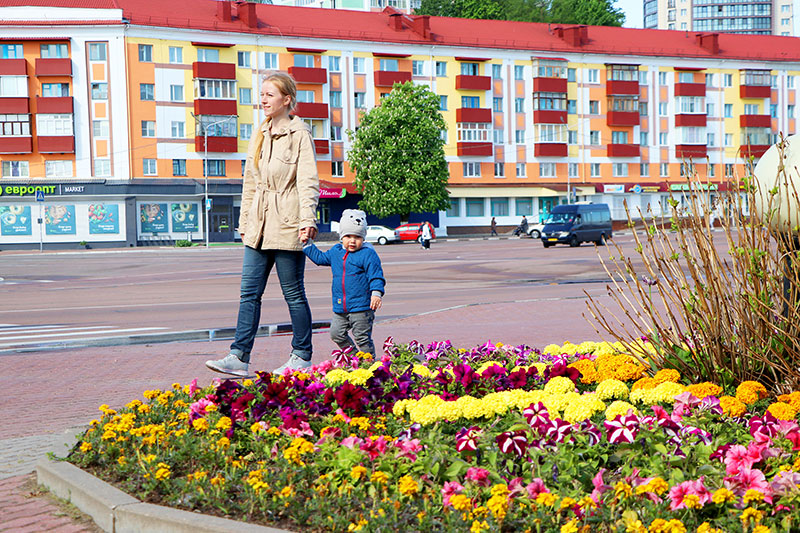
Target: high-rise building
<point>755,17</point>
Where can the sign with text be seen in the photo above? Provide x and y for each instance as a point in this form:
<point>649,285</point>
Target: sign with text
<point>331,193</point>
<point>15,220</point>
<point>59,220</point>
<point>153,218</point>
<point>185,217</point>
<point>103,219</point>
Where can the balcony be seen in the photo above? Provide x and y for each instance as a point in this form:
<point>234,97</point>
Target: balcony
<point>309,75</point>
<point>623,150</point>
<point>16,145</point>
<point>549,116</point>
<point>550,149</point>
<point>473,114</point>
<point>214,107</point>
<point>690,89</point>
<point>691,120</point>
<point>12,106</point>
<point>58,104</point>
<point>755,121</point>
<point>755,150</point>
<point>217,144</point>
<point>550,85</point>
<point>60,144</point>
<point>311,110</point>
<point>622,118</point>
<point>214,71</point>
<point>385,78</point>
<point>53,66</point>
<point>322,146</point>
<point>13,67</point>
<point>475,149</point>
<point>473,83</point>
<point>622,87</point>
<point>755,91</point>
<point>690,151</point>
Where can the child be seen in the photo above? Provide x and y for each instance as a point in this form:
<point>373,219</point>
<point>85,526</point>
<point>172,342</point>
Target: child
<point>358,283</point>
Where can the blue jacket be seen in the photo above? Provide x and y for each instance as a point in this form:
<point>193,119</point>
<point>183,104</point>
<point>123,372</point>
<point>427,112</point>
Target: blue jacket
<point>355,275</point>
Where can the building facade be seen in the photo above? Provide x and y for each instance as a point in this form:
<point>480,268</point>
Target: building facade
<point>117,124</point>
<point>754,17</point>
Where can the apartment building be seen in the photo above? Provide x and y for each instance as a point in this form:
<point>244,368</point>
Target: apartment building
<point>754,17</point>
<point>118,118</point>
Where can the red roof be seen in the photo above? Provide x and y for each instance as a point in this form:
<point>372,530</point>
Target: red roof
<point>289,21</point>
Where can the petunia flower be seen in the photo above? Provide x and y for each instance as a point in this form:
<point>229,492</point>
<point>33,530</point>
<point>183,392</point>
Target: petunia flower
<point>536,487</point>
<point>623,429</point>
<point>408,448</point>
<point>467,439</point>
<point>515,442</point>
<point>557,430</point>
<point>479,476</point>
<point>536,414</point>
<point>449,489</point>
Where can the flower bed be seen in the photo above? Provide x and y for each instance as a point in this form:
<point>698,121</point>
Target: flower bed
<point>434,438</point>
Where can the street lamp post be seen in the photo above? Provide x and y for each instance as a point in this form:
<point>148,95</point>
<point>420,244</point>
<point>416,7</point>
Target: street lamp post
<point>204,128</point>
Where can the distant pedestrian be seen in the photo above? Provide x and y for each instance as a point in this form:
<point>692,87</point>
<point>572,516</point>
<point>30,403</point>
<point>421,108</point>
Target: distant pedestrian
<point>358,284</point>
<point>425,235</point>
<point>522,229</point>
<point>494,227</point>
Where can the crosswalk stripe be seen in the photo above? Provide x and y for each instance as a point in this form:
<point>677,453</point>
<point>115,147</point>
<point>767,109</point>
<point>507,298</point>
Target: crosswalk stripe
<point>36,329</point>
<point>103,333</point>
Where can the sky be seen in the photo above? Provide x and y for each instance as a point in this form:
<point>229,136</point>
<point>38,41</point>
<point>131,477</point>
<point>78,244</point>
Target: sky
<point>633,12</point>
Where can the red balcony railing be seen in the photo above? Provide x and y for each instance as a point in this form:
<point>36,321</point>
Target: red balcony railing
<point>56,144</point>
<point>623,150</point>
<point>622,87</point>
<point>549,116</point>
<point>550,150</point>
<point>755,121</point>
<point>690,151</point>
<point>13,67</point>
<point>311,110</point>
<point>322,146</point>
<point>690,120</point>
<point>384,78</point>
<point>57,104</point>
<point>216,144</point>
<point>14,105</point>
<point>622,118</point>
<point>690,89</point>
<point>214,71</point>
<point>550,85</point>
<point>16,145</point>
<point>475,148</point>
<point>308,74</point>
<point>214,107</point>
<point>473,114</point>
<point>755,150</point>
<point>473,83</point>
<point>53,66</point>
<point>755,91</point>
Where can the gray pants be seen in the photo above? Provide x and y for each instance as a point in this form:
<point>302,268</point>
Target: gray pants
<point>360,323</point>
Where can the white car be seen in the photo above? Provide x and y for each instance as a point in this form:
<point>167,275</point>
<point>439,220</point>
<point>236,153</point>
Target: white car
<point>381,234</point>
<point>535,230</point>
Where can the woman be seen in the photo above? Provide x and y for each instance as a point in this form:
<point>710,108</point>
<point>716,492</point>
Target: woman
<point>280,192</point>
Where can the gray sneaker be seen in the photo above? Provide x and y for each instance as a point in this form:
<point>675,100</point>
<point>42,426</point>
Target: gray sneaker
<point>229,365</point>
<point>294,363</point>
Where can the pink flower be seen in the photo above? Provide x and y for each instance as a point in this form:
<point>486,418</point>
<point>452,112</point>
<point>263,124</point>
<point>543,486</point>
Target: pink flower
<point>449,489</point>
<point>304,429</point>
<point>193,387</point>
<point>736,459</point>
<point>374,448</point>
<point>478,476</point>
<point>599,486</point>
<point>198,408</point>
<point>746,479</point>
<point>343,415</point>
<point>351,442</point>
<point>681,490</point>
<point>323,367</point>
<point>408,448</point>
<point>535,488</point>
<point>327,434</point>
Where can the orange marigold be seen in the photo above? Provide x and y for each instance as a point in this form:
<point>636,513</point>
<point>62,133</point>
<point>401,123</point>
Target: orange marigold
<point>792,399</point>
<point>750,392</point>
<point>782,411</point>
<point>731,406</point>
<point>644,383</point>
<point>622,367</point>
<point>587,370</point>
<point>667,374</point>
<point>701,390</point>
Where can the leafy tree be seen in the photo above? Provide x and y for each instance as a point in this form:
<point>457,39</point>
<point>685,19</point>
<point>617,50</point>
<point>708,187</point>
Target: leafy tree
<point>467,9</point>
<point>398,154</point>
<point>590,12</point>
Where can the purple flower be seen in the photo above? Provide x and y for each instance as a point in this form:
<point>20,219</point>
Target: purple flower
<point>766,425</point>
<point>467,439</point>
<point>557,430</point>
<point>536,414</point>
<point>592,431</point>
<point>464,375</point>
<point>515,442</point>
<point>561,369</point>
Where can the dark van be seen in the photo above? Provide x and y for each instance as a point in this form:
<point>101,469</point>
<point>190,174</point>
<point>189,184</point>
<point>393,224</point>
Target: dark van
<point>576,223</point>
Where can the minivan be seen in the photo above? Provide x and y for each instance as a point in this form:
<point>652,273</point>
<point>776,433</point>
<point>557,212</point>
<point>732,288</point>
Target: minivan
<point>576,223</point>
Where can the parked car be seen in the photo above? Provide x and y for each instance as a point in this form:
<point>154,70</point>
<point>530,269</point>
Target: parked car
<point>576,223</point>
<point>381,234</point>
<point>535,230</point>
<point>411,231</point>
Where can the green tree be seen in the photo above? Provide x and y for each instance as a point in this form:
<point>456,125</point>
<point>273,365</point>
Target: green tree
<point>398,154</point>
<point>466,9</point>
<point>590,12</point>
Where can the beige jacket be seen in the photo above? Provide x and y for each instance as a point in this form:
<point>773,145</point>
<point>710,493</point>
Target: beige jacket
<point>280,189</point>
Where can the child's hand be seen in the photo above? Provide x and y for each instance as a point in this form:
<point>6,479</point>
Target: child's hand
<point>375,303</point>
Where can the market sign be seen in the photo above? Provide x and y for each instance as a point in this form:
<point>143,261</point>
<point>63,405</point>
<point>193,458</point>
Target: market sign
<point>614,189</point>
<point>332,193</point>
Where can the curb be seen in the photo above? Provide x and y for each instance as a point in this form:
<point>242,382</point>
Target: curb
<point>117,512</point>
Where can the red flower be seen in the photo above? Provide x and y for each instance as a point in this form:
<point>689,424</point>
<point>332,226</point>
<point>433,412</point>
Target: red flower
<point>350,397</point>
<point>515,442</point>
<point>468,439</point>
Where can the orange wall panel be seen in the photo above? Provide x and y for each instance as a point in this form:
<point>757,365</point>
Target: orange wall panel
<point>335,81</point>
<point>100,110</point>
<point>361,82</point>
<point>101,148</point>
<point>99,72</point>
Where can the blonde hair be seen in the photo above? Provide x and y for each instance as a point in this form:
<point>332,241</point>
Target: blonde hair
<point>286,85</point>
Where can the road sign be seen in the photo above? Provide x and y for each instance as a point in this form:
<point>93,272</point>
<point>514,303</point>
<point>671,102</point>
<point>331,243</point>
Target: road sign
<point>208,204</point>
<point>40,196</point>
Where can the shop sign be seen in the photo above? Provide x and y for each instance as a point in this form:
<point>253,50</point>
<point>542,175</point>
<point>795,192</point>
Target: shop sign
<point>153,218</point>
<point>59,220</point>
<point>332,193</point>
<point>636,189</point>
<point>103,219</point>
<point>614,189</point>
<point>686,187</point>
<point>26,190</point>
<point>72,189</point>
<point>185,217</point>
<point>651,188</point>
<point>15,220</point>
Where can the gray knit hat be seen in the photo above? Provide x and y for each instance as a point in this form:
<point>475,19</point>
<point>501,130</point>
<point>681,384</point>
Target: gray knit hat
<point>354,222</point>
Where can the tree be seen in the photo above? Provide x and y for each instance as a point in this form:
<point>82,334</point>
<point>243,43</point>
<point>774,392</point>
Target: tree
<point>467,9</point>
<point>398,154</point>
<point>589,12</point>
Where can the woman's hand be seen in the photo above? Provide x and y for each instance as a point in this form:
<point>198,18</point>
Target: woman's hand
<point>308,233</point>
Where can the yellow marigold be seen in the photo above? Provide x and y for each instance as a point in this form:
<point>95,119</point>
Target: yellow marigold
<point>731,406</point>
<point>163,471</point>
<point>749,392</point>
<point>357,472</point>
<point>362,422</point>
<point>782,411</point>
<point>723,495</point>
<point>618,408</point>
<point>570,527</point>
<point>761,529</point>
<point>692,501</point>
<point>547,499</point>
<point>663,393</point>
<point>792,399</point>
<point>200,424</point>
<point>460,502</point>
<point>753,495</point>
<point>559,385</point>
<point>644,383</point>
<point>635,526</point>
<point>622,490</point>
<point>658,525</point>
<point>612,389</point>
<point>286,492</point>
<point>86,446</point>
<point>224,424</point>
<point>150,394</point>
<point>701,390</point>
<point>407,486</point>
<point>705,527</point>
<point>751,515</point>
<point>478,527</point>
<point>622,366</point>
<point>379,477</point>
<point>667,374</point>
<point>498,505</point>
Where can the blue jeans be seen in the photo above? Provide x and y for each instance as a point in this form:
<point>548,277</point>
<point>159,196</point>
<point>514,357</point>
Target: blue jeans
<point>256,267</point>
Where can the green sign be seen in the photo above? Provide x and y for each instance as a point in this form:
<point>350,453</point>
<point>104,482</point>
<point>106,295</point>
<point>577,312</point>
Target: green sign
<point>185,217</point>
<point>687,187</point>
<point>26,190</point>
<point>15,220</point>
<point>103,219</point>
<point>59,220</point>
<point>153,218</point>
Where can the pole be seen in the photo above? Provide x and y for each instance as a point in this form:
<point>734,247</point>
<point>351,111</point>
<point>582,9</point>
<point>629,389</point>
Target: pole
<point>41,228</point>
<point>205,176</point>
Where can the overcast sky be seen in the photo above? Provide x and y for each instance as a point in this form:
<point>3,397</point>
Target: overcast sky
<point>633,12</point>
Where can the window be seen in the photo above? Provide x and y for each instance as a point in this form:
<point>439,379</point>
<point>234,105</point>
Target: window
<point>337,169</point>
<point>519,72</point>
<point>14,86</point>
<point>388,65</point>
<point>102,167</point>
<point>336,98</point>
<point>474,207</point>
<point>549,101</point>
<point>524,207</point>
<point>473,131</point>
<point>16,169</point>
<point>662,78</point>
<point>214,167</point>
<point>710,80</point>
<point>245,131</point>
<point>642,109</point>
<point>570,74</point>
<point>662,138</point>
<point>54,50</point>
<point>336,133</point>
<point>270,61</point>
<point>643,138</point>
<point>642,77</point>
<point>710,139</point>
<point>148,128</point>
<point>470,69</point>
<point>620,170</point>
<point>499,207</point>
<point>243,59</point>
<point>57,125</point>
<point>663,169</point>
<point>417,68</point>
<point>662,109</point>
<point>519,105</point>
<point>774,81</point>
<point>216,125</point>
<point>594,137</point>
<point>711,109</point>
<point>727,111</point>
<point>15,125</point>
<point>497,136</point>
<point>175,54</point>
<point>359,65</point>
<point>594,170</point>
<point>304,60</point>
<point>178,129</point>
<point>360,100</point>
<point>178,167</point>
<point>100,128</point>
<point>499,171</point>
<point>619,137</point>
<point>334,63</point>
<point>710,171</point>
<point>472,170</point>
<point>244,165</point>
<point>497,104</point>
<point>55,89</point>
<point>790,111</point>
<point>522,172</point>
<point>215,89</point>
<point>727,80</point>
<point>790,82</point>
<point>644,170</point>
<point>11,51</point>
<point>729,139</point>
<point>58,169</point>
<point>572,170</point>
<point>442,102</point>
<point>97,51</point>
<point>99,91</point>
<point>455,208</point>
<point>146,53</point>
<point>470,101</point>
<point>547,170</point>
<point>592,75</point>
<point>773,110</point>
<point>176,93</point>
<point>551,133</point>
<point>728,170</point>
<point>751,109</point>
<point>497,71</point>
<point>441,69</point>
<point>572,106</point>
<point>691,105</point>
<point>519,136</point>
<point>149,167</point>
<point>572,137</point>
<point>208,55</point>
<point>594,107</point>
<point>147,91</point>
<point>245,96</point>
<point>622,72</point>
